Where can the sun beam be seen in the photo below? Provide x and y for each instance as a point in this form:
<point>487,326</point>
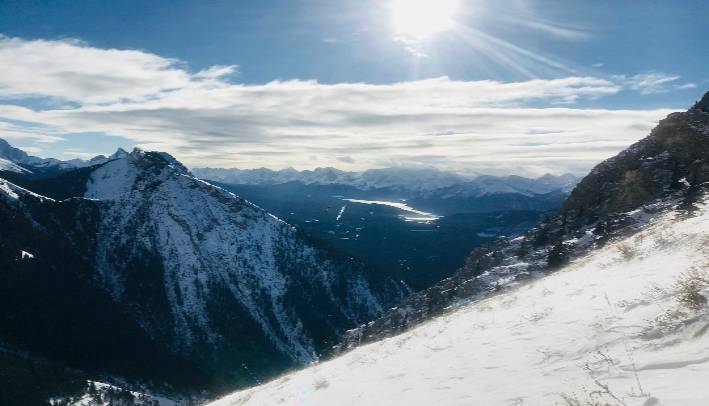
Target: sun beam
<point>420,19</point>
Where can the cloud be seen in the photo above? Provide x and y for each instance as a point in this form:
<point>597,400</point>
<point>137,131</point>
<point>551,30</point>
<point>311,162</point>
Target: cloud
<point>557,30</point>
<point>205,120</point>
<point>216,72</point>
<point>687,86</point>
<point>649,83</point>
<point>73,71</point>
<point>346,159</point>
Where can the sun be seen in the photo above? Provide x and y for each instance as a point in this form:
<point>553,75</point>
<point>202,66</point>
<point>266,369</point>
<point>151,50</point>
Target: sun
<point>419,19</point>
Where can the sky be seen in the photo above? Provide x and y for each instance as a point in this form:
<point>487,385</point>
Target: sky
<point>473,86</point>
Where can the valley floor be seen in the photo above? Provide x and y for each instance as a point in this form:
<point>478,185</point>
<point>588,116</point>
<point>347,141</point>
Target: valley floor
<point>626,325</point>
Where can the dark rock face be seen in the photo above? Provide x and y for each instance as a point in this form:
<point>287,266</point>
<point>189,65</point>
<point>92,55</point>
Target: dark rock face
<point>703,105</point>
<point>50,307</point>
<point>667,169</point>
<point>675,154</point>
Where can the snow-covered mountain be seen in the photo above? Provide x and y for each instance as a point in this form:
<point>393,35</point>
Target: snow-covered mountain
<point>15,160</point>
<point>624,325</point>
<point>509,185</point>
<point>209,242</point>
<point>205,275</point>
<point>413,181</point>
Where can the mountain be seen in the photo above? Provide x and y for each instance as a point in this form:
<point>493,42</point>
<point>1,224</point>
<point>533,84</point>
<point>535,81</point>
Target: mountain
<point>205,290</point>
<point>18,161</point>
<point>401,179</point>
<point>494,185</point>
<point>624,325</point>
<point>220,257</point>
<point>668,170</point>
<point>407,182</point>
<point>15,160</point>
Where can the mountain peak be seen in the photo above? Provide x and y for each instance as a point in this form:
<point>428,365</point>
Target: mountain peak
<point>11,153</point>
<point>703,104</point>
<point>120,153</point>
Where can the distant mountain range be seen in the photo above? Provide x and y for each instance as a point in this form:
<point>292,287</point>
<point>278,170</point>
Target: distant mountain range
<point>16,160</point>
<point>410,181</point>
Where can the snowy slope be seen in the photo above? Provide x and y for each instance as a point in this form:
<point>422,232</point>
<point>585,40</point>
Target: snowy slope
<point>625,325</point>
<point>104,394</point>
<point>6,165</point>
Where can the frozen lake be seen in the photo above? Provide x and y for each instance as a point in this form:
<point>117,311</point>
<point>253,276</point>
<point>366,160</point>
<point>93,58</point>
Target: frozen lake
<point>411,214</point>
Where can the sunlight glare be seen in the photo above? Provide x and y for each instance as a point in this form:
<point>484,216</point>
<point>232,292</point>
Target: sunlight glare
<point>419,19</point>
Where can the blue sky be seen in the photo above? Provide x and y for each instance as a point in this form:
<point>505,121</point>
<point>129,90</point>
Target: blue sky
<point>646,56</point>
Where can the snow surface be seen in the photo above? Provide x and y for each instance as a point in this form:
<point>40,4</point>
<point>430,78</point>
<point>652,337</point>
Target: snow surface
<point>14,192</point>
<point>608,328</point>
<point>102,397</point>
<point>10,166</point>
<point>7,189</point>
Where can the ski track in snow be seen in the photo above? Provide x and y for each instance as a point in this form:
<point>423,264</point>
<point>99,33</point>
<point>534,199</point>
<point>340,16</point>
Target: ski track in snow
<point>603,320</point>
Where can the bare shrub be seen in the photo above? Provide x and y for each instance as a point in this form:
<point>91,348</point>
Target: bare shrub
<point>688,290</point>
<point>589,398</point>
<point>690,285</point>
<point>321,384</point>
<point>627,252</point>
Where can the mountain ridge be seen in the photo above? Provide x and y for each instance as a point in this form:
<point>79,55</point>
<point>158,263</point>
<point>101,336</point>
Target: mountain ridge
<point>417,181</point>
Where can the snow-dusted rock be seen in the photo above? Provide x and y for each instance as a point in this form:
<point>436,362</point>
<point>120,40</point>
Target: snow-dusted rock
<point>184,255</point>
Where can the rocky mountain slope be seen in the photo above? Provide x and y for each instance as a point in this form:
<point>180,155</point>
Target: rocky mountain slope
<point>222,259</point>
<point>667,170</point>
<point>198,275</point>
<point>626,325</point>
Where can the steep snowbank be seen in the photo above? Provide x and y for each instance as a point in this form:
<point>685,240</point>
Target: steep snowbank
<point>626,325</point>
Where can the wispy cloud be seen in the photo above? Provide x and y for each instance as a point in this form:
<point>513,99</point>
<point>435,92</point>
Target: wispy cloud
<point>204,119</point>
<point>649,83</point>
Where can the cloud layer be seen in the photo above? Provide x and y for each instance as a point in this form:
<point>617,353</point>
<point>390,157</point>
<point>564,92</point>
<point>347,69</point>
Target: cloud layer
<point>205,120</point>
